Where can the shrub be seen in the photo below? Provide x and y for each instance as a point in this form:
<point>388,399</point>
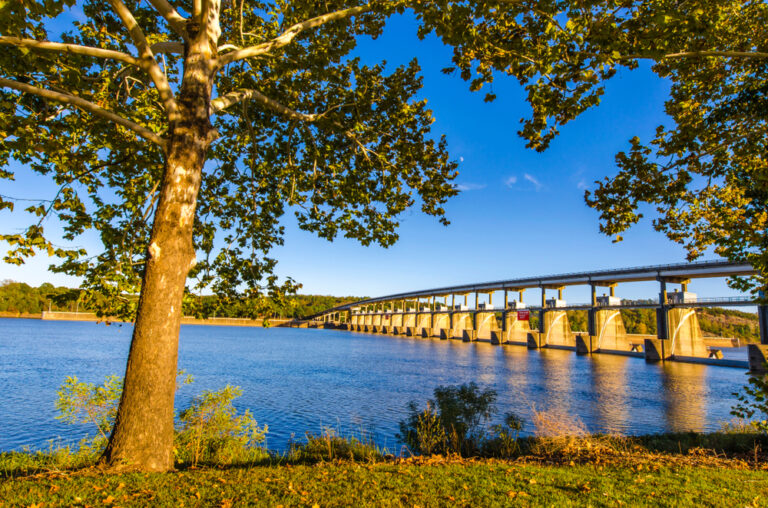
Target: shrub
<point>87,403</point>
<point>211,431</point>
<point>455,421</point>
<point>505,443</point>
<point>430,432</point>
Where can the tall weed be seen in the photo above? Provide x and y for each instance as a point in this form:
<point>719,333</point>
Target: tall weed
<point>329,445</point>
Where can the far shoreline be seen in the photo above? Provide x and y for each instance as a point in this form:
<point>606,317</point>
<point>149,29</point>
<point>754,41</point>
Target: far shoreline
<point>185,320</point>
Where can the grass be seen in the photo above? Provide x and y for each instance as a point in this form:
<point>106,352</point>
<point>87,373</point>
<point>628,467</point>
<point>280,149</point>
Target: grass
<point>400,483</point>
<point>666,469</point>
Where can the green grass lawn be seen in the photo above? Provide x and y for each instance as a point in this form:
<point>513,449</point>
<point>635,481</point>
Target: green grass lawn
<point>483,483</point>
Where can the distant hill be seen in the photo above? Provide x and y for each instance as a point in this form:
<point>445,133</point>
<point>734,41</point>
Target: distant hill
<point>717,322</point>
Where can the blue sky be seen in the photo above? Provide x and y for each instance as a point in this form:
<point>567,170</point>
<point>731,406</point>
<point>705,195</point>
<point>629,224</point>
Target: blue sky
<point>521,213</point>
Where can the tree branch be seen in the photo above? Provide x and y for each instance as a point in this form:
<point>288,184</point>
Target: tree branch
<point>729,54</point>
<point>146,57</point>
<point>175,20</point>
<point>85,106</point>
<point>232,98</point>
<point>75,49</point>
<point>690,54</point>
<point>209,20</point>
<point>286,37</point>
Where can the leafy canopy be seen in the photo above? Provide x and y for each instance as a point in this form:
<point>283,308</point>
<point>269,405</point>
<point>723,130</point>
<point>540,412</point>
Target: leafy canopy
<point>308,128</point>
<point>304,126</point>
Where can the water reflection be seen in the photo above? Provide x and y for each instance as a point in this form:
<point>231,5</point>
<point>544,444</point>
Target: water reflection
<point>684,392</point>
<point>301,380</point>
<point>558,376</point>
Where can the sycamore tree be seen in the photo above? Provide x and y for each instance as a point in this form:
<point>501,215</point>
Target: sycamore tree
<point>181,131</point>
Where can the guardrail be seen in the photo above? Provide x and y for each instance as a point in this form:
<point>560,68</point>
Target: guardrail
<point>719,268</point>
<point>624,304</point>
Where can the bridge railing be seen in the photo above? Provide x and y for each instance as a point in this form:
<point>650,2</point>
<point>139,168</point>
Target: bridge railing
<point>624,303</point>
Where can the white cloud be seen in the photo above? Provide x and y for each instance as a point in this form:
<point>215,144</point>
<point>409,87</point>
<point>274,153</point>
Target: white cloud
<point>511,181</point>
<point>534,181</point>
<point>463,187</point>
<point>461,159</point>
<point>582,185</point>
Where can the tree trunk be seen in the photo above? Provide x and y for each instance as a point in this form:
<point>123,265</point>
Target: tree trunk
<point>142,437</point>
<point>143,434</point>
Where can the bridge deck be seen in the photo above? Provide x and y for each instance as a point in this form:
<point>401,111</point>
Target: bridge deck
<point>671,273</point>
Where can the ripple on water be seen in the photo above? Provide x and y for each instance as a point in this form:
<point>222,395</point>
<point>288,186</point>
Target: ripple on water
<point>300,380</point>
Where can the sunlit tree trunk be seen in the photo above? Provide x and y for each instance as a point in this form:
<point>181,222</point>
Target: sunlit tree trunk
<point>143,434</point>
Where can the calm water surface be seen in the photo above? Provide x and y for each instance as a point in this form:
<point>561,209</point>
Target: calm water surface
<point>299,380</point>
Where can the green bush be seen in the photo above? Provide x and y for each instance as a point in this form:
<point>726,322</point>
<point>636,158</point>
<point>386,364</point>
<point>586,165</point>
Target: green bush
<point>456,421</point>
<point>87,403</point>
<point>211,432</point>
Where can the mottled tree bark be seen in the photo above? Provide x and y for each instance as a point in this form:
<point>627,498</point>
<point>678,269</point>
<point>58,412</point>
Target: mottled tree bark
<point>142,437</point>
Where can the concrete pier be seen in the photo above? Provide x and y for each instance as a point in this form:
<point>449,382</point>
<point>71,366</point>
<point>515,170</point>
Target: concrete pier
<point>557,331</point>
<point>424,323</point>
<point>484,325</point>
<point>441,324</point>
<point>610,334</point>
<point>461,323</point>
<point>758,357</point>
<point>678,337</point>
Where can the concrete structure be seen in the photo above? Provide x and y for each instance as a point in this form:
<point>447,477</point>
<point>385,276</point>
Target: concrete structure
<point>678,334</point>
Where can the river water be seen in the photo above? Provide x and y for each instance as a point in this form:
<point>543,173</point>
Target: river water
<point>302,380</point>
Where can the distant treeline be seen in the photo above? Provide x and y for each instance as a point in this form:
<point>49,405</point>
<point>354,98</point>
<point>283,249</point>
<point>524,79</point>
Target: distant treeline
<point>18,297</point>
<point>292,306</point>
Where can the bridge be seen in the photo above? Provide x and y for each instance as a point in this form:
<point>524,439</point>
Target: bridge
<point>436,313</point>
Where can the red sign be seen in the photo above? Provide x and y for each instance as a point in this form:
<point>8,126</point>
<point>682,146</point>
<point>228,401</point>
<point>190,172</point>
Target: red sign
<point>523,315</point>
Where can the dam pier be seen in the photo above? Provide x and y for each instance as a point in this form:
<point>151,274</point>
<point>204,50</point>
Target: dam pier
<point>468,313</point>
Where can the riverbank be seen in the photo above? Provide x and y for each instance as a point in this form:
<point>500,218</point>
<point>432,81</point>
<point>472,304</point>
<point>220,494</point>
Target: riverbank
<point>693,479</point>
<point>185,320</point>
